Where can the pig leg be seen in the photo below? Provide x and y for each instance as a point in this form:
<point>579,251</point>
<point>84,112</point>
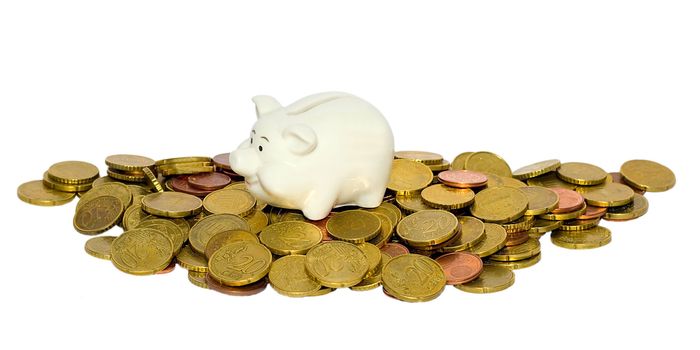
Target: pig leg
<point>318,206</point>
<point>371,198</point>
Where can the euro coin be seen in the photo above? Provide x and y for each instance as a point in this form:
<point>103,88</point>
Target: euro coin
<point>448,198</point>
<point>290,237</point>
<point>73,172</point>
<point>581,173</point>
<point>536,169</point>
<point>413,278</point>
<point>355,226</point>
<point>518,252</point>
<point>472,231</point>
<point>34,192</point>
<point>191,260</point>
<point>584,239</point>
<point>226,237</point>
<point>638,207</point>
<point>336,264</point>
<point>240,263</point>
<point>492,279</point>
<point>460,267</point>
<point>428,228</point>
<point>288,277</point>
<point>205,229</point>
<point>128,162</point>
<point>409,177</point>
<point>142,251</point>
<point>648,175</point>
<point>499,204</point>
<point>171,204</point>
<point>541,200</point>
<point>98,215</point>
<point>427,158</point>
<point>229,201</point>
<point>100,247</point>
<point>487,162</point>
<point>495,240</point>
<point>609,195</point>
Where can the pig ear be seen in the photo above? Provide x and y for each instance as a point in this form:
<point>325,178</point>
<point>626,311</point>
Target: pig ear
<point>265,104</point>
<point>300,139</point>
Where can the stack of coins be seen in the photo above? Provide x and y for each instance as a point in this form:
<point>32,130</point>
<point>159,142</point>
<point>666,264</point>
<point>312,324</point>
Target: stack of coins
<point>128,167</point>
<point>468,226</point>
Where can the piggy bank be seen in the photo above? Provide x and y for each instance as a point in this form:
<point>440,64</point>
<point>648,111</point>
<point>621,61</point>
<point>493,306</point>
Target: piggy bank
<point>326,150</point>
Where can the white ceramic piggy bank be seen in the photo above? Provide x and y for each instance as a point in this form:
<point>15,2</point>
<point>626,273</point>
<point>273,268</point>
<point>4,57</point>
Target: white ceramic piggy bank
<point>323,151</point>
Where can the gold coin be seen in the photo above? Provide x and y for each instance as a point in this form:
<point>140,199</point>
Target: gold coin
<point>240,263</point>
<point>103,180</point>
<point>114,189</point>
<point>448,198</point>
<point>373,280</point>
<point>205,229</point>
<point>98,215</point>
<point>496,237</point>
<point>373,254</point>
<point>499,204</point>
<point>184,160</point>
<point>458,162</point>
<point>637,208</point>
<point>229,201</point>
<point>288,277</point>
<point>223,238</point>
<point>583,239</point>
<point>199,279</point>
<point>541,200</point>
<point>550,180</point>
<point>409,177</point>
<point>336,264</point>
<point>647,175</point>
<point>354,226</point>
<point>142,251</point>
<point>609,195</point>
<point>487,162</point>
<point>542,226</point>
<point>137,191</point>
<point>51,184</point>
<point>413,278</point>
<point>152,180</point>
<point>564,216</point>
<point>128,162</point>
<point>171,204</point>
<point>385,232</point>
<point>472,232</point>
<point>185,169</point>
<point>511,182</point>
<point>191,260</point>
<point>536,169</point>
<point>524,223</point>
<point>579,224</point>
<point>444,165</point>
<point>427,158</point>
<point>393,215</point>
<point>412,203</point>
<point>73,172</point>
<point>290,237</point>
<point>34,192</point>
<point>517,264</point>
<point>517,252</point>
<point>133,215</point>
<point>257,221</point>
<point>581,173</point>
<point>100,247</point>
<point>167,228</point>
<point>126,176</point>
<point>428,228</point>
<point>492,279</point>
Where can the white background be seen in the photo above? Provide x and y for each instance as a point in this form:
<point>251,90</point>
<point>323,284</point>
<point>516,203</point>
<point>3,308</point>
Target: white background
<point>595,81</point>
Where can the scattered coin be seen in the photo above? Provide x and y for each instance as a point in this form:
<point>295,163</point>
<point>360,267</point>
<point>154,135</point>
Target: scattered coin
<point>460,267</point>
<point>648,175</point>
<point>536,169</point>
<point>34,192</point>
<point>462,178</point>
<point>413,278</point>
<point>100,247</point>
<point>492,279</point>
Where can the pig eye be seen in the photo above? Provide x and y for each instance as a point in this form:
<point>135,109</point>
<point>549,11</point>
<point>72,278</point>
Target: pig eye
<point>251,140</point>
<point>260,148</point>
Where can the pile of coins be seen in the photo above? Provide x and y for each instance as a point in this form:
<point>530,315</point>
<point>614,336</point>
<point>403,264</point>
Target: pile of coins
<point>468,223</point>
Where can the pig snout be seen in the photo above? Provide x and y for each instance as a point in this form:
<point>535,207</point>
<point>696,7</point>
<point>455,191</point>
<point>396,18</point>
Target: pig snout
<point>245,161</point>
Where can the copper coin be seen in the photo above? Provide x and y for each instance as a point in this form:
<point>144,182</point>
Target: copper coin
<point>517,238</point>
<point>167,269</point>
<point>394,249</point>
<point>569,200</point>
<point>181,184</point>
<point>234,177</point>
<point>593,212</point>
<point>209,181</point>
<point>222,161</point>
<point>321,224</point>
<point>462,178</point>
<point>460,267</point>
<point>617,177</point>
<point>248,289</point>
